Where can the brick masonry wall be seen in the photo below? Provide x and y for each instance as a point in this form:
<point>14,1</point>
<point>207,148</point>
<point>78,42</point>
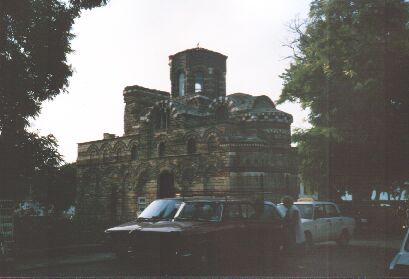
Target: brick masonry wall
<point>230,167</point>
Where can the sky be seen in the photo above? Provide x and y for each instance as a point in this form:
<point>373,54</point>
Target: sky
<point>128,42</point>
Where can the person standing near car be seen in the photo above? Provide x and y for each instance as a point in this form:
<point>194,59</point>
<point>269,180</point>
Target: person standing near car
<point>292,226</point>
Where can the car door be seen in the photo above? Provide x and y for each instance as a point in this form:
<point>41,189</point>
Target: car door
<point>322,224</point>
<point>272,229</point>
<point>336,221</point>
<point>234,233</point>
<point>251,230</point>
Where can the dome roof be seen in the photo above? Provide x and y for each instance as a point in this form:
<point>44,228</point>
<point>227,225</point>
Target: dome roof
<point>196,50</point>
<point>246,102</point>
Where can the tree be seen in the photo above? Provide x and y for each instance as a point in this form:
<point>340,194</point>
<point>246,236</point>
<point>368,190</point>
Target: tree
<point>56,186</point>
<point>350,68</point>
<point>34,42</point>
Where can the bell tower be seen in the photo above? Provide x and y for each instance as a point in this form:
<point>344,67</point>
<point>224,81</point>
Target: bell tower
<point>198,71</point>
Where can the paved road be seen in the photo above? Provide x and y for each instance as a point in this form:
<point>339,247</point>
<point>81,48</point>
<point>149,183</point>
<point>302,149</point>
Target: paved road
<point>365,258</point>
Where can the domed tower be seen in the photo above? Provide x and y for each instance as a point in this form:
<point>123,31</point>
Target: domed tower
<point>198,71</point>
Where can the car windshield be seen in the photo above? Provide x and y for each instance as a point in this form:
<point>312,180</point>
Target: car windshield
<point>305,210</point>
<point>160,209</point>
<point>407,244</point>
<point>200,211</point>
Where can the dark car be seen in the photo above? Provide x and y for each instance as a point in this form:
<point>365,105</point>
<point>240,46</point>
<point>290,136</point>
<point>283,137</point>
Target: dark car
<point>159,211</point>
<point>203,234</point>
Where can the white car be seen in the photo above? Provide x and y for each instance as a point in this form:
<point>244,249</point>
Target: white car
<point>399,266</point>
<point>322,221</point>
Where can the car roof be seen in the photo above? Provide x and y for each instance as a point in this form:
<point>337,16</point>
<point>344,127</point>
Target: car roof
<point>224,200</point>
<point>215,199</point>
<point>313,202</point>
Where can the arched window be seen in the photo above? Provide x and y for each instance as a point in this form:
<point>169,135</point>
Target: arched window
<point>221,113</point>
<point>198,82</point>
<point>118,153</point>
<point>161,149</point>
<point>105,154</point>
<point>134,153</point>
<point>162,119</point>
<point>93,154</point>
<point>181,84</point>
<point>211,144</point>
<point>191,146</point>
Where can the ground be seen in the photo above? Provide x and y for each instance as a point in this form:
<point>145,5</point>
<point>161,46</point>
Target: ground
<point>361,258</point>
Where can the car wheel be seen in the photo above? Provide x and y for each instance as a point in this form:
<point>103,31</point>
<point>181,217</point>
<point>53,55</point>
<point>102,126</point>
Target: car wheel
<point>309,243</point>
<point>343,239</point>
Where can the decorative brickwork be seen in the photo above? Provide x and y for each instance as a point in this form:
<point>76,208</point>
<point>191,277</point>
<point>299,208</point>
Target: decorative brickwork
<point>195,138</point>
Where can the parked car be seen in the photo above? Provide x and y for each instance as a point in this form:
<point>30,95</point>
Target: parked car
<point>204,233</point>
<point>157,212</point>
<point>322,221</point>
<point>399,266</point>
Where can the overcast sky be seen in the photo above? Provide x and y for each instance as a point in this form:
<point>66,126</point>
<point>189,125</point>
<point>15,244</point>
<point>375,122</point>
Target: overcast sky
<point>128,42</point>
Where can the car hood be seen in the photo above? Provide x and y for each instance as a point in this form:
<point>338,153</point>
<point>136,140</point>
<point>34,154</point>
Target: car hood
<point>162,226</point>
<point>130,226</point>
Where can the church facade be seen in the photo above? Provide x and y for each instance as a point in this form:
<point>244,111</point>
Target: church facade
<point>194,138</point>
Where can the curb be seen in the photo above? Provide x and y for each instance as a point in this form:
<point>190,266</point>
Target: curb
<point>22,254</point>
<point>72,260</point>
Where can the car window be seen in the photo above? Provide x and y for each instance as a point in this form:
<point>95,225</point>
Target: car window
<point>319,211</point>
<point>208,212</point>
<point>188,211</point>
<point>248,211</point>
<point>331,210</point>
<point>270,213</point>
<point>165,209</point>
<point>200,211</point>
<point>233,212</point>
<point>305,210</point>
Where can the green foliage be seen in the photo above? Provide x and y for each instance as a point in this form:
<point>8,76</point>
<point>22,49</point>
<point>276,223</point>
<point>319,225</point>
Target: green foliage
<point>56,186</point>
<point>350,67</point>
<point>34,42</point>
<point>25,158</point>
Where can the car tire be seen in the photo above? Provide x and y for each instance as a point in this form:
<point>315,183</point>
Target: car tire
<point>344,238</point>
<point>309,243</point>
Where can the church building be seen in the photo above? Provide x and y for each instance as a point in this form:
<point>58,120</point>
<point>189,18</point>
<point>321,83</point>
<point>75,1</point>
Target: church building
<point>195,138</point>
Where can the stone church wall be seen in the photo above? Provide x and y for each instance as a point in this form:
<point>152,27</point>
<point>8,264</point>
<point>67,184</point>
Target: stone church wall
<point>185,143</point>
